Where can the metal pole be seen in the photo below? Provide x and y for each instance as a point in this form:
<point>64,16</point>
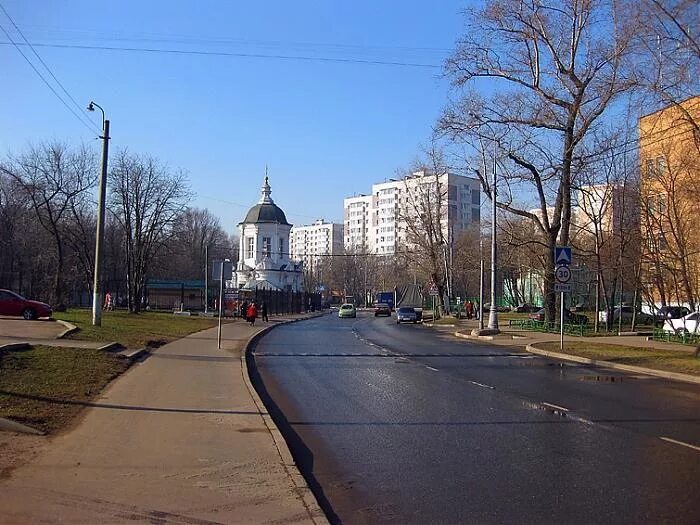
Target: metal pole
<point>99,255</point>
<point>561,327</point>
<point>493,316</point>
<point>481,286</point>
<point>206,278</point>
<point>221,298</point>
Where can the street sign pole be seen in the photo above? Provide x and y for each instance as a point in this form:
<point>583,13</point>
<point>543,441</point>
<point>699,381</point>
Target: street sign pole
<point>561,328</point>
<point>221,298</point>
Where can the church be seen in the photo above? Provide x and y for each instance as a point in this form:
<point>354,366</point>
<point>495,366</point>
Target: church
<point>264,256</point>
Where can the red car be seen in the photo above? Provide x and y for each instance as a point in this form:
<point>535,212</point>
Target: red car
<point>14,304</point>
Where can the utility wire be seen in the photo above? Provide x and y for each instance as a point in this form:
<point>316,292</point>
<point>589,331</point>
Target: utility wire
<point>80,108</point>
<point>304,58</point>
<point>76,115</point>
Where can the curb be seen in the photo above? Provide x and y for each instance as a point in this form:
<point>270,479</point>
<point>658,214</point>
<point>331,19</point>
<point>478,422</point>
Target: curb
<point>70,328</point>
<point>615,366</point>
<point>303,490</point>
<point>12,426</point>
<point>110,347</point>
<point>15,346</point>
<point>133,355</point>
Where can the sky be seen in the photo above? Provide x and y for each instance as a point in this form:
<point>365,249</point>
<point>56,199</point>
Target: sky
<point>326,128</point>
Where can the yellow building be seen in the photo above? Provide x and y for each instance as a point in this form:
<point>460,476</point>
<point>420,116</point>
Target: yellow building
<point>670,200</point>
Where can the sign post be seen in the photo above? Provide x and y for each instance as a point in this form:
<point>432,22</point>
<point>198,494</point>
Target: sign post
<point>562,274</point>
<point>221,270</point>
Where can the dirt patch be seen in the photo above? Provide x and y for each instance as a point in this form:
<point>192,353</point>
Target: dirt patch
<point>17,450</point>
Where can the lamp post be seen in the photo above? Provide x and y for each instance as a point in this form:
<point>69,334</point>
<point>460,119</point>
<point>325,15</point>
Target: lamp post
<point>493,315</point>
<point>99,240</point>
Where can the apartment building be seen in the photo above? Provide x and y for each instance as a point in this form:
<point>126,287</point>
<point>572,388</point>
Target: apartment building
<point>308,243</point>
<point>669,151</point>
<point>379,223</point>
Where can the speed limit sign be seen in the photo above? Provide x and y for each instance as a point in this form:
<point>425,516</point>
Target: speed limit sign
<point>562,274</point>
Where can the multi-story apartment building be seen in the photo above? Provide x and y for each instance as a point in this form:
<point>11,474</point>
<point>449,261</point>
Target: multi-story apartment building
<point>308,243</point>
<point>379,223</point>
<point>669,150</point>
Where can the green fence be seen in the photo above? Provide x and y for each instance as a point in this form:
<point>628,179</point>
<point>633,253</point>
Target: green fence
<point>542,326</point>
<point>681,336</point>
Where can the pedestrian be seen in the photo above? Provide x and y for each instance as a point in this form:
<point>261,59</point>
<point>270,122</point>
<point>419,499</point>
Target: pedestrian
<point>244,310</point>
<point>108,302</point>
<point>252,313</point>
<point>264,312</point>
<point>469,309</point>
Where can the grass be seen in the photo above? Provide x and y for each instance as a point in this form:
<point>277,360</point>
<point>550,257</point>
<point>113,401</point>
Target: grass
<point>682,361</point>
<point>45,387</point>
<point>134,330</point>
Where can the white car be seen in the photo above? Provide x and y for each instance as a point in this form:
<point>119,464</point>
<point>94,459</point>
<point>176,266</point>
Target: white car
<point>688,324</point>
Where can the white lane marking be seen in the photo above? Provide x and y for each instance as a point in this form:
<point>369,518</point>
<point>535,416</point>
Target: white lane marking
<point>431,368</point>
<point>482,385</point>
<point>556,407</point>
<point>680,443</point>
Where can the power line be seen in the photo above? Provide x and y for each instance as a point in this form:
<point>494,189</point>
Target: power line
<point>80,108</point>
<point>76,115</point>
<point>304,58</point>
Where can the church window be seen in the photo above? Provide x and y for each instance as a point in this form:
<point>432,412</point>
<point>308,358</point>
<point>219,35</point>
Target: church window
<point>249,248</point>
<point>281,247</point>
<point>266,246</point>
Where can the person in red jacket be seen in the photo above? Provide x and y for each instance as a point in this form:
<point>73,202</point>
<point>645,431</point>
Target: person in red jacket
<point>252,313</point>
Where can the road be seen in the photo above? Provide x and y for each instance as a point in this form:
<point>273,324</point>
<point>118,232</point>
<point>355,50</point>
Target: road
<point>403,424</point>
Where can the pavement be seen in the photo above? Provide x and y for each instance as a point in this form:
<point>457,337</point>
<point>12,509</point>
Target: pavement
<point>181,437</point>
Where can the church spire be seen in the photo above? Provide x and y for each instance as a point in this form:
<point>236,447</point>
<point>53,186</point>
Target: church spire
<point>265,191</point>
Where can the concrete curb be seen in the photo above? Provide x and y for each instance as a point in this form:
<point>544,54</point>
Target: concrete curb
<point>15,346</point>
<point>110,347</point>
<point>70,328</point>
<point>133,355</point>
<point>8,425</point>
<point>615,366</point>
<point>303,490</point>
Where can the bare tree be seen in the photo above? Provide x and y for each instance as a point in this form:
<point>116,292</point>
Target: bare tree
<point>146,199</point>
<point>53,178</point>
<point>555,68</point>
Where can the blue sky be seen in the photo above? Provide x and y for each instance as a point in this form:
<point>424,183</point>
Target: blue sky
<point>326,130</point>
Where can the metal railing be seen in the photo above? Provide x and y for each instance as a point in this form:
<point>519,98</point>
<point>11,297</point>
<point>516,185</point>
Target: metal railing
<point>550,327</point>
<point>680,336</point>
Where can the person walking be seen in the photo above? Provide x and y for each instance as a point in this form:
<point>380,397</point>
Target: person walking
<point>252,313</point>
<point>263,310</point>
<point>244,310</point>
<point>108,302</point>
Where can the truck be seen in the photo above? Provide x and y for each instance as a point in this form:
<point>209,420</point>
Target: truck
<point>385,297</point>
<point>410,295</point>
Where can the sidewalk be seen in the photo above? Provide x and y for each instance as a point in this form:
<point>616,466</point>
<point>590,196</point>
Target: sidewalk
<point>181,437</point>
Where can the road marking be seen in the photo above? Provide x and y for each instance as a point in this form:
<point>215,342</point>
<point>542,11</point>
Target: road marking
<point>431,368</point>
<point>556,407</point>
<point>680,443</point>
<point>482,385</point>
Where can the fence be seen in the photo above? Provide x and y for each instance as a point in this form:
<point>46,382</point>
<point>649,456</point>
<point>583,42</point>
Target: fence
<point>543,326</point>
<point>681,336</point>
<point>277,301</point>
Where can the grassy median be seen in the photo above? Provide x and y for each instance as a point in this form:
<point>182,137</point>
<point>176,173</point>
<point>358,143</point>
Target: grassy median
<point>682,360</point>
<point>134,330</point>
<point>45,387</point>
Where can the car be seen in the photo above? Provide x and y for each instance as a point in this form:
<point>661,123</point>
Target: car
<point>627,313</point>
<point>569,317</point>
<point>670,312</point>
<point>382,309</point>
<point>406,314</point>
<point>347,310</point>
<point>525,308</point>
<point>689,324</point>
<point>12,303</point>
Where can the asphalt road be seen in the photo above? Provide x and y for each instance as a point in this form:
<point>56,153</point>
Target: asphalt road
<point>404,424</point>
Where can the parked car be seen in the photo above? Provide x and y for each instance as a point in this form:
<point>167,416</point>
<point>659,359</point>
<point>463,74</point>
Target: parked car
<point>347,310</point>
<point>525,308</point>
<point>627,313</point>
<point>12,303</point>
<point>670,312</point>
<point>689,324</point>
<point>569,317</point>
<point>406,314</point>
<point>382,309</point>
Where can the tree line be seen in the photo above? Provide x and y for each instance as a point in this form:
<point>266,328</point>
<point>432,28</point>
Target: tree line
<point>48,225</point>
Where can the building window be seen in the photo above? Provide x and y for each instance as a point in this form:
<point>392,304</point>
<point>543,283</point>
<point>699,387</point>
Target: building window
<point>281,248</point>
<point>476,197</point>
<point>249,248</point>
<point>266,246</point>
<point>476,215</point>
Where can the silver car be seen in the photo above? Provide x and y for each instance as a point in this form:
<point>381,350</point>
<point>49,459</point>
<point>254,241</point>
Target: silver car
<point>406,314</point>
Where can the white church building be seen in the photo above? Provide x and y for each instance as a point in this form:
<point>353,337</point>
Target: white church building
<point>264,252</point>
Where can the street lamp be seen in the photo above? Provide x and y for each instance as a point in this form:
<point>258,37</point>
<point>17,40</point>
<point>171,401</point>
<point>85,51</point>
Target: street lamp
<point>97,285</point>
